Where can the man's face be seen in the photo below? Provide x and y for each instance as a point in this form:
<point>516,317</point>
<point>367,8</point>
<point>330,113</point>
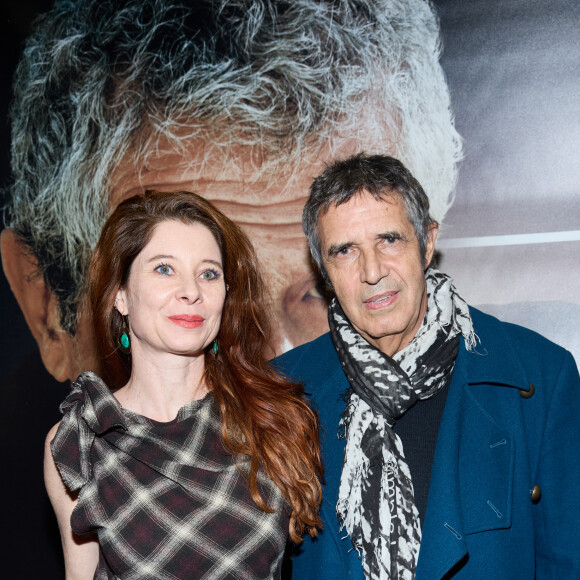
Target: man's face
<point>270,212</point>
<point>372,257</point>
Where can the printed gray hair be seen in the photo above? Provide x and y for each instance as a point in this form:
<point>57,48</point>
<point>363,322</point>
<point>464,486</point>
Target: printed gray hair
<point>100,80</point>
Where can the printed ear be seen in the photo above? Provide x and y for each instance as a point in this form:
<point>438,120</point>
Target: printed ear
<point>39,306</point>
<point>432,231</point>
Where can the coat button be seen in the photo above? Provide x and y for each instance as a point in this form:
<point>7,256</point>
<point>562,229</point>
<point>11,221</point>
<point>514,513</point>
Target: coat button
<point>536,494</point>
<point>527,394</point>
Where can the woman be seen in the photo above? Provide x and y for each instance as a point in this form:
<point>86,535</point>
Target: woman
<point>204,460</point>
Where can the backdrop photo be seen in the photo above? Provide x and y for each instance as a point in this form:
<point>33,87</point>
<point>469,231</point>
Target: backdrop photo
<point>510,230</point>
<point>512,236</point>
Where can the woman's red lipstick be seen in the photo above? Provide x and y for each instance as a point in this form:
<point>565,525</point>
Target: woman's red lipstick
<point>187,320</point>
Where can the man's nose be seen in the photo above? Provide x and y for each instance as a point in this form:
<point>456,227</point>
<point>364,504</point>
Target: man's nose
<point>373,267</point>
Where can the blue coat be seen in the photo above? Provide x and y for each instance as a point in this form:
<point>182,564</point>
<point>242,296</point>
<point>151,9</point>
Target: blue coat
<point>511,422</point>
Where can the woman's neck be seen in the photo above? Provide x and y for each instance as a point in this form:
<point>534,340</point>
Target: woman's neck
<point>160,385</point>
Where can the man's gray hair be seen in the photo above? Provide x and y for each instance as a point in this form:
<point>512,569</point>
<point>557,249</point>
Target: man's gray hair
<point>102,80</point>
<point>378,175</point>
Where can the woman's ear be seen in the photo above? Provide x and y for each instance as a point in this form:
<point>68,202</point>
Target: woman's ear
<point>39,306</point>
<point>121,302</point>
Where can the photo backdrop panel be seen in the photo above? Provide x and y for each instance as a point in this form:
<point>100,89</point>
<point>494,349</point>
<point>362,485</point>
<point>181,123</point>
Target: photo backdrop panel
<point>513,76</point>
<point>512,235</point>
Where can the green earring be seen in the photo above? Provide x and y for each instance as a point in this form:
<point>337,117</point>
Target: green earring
<point>123,339</point>
<point>215,347</point>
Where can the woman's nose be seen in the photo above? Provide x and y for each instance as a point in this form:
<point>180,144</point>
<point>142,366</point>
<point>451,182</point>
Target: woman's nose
<point>189,291</point>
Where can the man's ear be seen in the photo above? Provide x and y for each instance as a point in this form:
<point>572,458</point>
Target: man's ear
<point>39,306</point>
<point>432,231</point>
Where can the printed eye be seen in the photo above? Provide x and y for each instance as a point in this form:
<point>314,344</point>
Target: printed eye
<point>317,292</point>
<point>210,274</point>
<point>164,269</point>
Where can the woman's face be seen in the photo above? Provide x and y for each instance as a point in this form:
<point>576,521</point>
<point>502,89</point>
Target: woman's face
<point>175,293</point>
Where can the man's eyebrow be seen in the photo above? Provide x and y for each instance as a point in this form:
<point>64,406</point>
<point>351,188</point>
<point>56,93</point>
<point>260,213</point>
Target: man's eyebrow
<point>392,234</point>
<point>336,248</point>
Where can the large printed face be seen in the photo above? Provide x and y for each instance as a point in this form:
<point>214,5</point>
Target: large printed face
<point>372,256</point>
<point>269,209</point>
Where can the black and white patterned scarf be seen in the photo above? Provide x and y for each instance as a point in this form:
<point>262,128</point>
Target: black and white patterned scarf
<point>376,505</point>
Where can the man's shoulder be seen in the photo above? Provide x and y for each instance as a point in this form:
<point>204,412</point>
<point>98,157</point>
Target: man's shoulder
<point>507,345</point>
<point>490,328</point>
<point>315,360</point>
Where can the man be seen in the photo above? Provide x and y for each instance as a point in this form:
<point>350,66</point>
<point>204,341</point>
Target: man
<point>450,438</point>
<point>238,100</point>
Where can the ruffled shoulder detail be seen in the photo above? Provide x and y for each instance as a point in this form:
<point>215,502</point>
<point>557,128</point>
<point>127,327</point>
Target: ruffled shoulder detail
<point>89,410</point>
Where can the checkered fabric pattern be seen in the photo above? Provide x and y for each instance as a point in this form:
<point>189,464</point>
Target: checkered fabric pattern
<point>165,499</point>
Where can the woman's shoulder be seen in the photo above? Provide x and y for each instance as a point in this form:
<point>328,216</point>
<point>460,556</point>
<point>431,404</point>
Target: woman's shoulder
<point>51,434</point>
<point>89,410</point>
<point>92,399</point>
<point>90,381</point>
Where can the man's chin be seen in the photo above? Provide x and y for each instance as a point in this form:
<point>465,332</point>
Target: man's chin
<point>78,353</point>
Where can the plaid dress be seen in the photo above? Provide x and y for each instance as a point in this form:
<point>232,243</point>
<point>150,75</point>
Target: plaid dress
<point>165,499</point>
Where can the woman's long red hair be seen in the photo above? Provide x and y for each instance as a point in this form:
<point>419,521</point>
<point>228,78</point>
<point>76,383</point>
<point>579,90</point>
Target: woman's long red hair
<point>265,416</point>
